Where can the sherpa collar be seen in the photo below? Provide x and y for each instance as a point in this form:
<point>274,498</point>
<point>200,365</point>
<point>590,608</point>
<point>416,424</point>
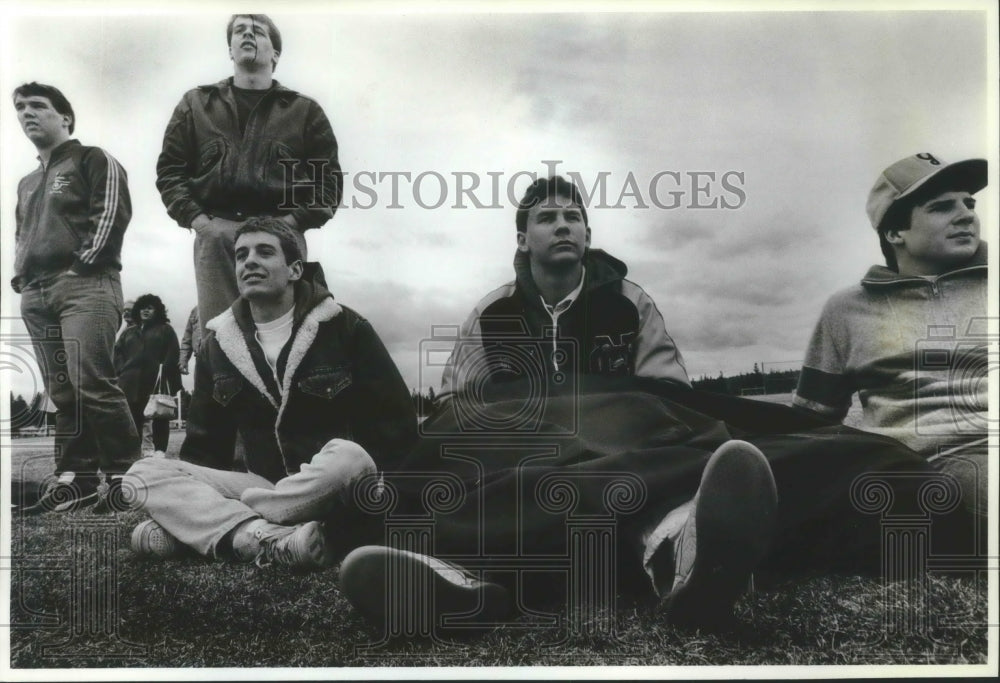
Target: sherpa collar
<point>232,341</point>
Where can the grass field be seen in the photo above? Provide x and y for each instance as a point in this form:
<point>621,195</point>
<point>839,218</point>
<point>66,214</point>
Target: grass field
<point>80,598</point>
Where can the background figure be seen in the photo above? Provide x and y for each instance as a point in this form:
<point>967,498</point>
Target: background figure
<point>127,320</point>
<point>139,353</point>
<point>190,341</point>
<point>145,429</point>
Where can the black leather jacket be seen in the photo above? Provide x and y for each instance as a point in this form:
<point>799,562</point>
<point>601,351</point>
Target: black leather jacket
<point>284,163</point>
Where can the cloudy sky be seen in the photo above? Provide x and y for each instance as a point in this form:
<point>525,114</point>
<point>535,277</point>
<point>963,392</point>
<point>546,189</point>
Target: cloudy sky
<point>781,120</point>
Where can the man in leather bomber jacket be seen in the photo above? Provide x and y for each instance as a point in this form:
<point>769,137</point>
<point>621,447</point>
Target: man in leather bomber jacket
<point>245,146</point>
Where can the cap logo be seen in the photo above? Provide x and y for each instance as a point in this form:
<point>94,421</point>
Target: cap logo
<point>926,156</point>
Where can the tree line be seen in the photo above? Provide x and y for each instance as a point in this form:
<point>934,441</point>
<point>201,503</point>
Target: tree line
<point>743,384</point>
<point>750,383</point>
<point>34,414</point>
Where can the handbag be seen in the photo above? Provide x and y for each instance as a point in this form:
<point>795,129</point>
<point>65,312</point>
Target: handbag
<point>160,406</point>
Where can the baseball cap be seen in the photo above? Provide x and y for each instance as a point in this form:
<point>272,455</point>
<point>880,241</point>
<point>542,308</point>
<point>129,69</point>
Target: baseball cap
<point>908,175</point>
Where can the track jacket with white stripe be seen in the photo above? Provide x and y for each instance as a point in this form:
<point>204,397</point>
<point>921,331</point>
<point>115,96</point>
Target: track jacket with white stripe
<point>612,328</point>
<point>71,213</point>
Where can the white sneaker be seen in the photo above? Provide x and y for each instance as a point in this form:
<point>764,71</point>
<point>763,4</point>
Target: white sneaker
<point>159,454</point>
<point>299,547</point>
<point>149,539</point>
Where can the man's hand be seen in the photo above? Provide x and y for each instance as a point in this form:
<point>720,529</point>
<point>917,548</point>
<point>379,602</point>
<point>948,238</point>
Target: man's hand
<point>203,225</point>
<point>183,368</point>
<point>200,222</point>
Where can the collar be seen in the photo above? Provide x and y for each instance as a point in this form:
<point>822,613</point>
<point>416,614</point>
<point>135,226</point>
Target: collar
<point>879,276</point>
<point>225,87</point>
<point>282,320</point>
<point>601,269</point>
<point>231,333</point>
<point>567,300</point>
<point>59,150</point>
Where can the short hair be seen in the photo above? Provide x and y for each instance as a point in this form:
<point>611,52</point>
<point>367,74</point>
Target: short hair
<point>54,95</point>
<point>272,30</point>
<point>542,189</point>
<point>146,300</point>
<point>277,227</point>
<point>897,217</point>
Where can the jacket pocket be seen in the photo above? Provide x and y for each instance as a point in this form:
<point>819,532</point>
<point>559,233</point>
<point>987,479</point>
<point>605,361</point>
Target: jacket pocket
<point>225,388</point>
<point>67,242</point>
<point>326,382</point>
<point>270,171</point>
<point>212,161</point>
<point>210,153</point>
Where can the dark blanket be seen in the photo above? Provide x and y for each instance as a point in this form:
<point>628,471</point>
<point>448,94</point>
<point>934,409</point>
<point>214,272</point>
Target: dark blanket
<point>518,476</point>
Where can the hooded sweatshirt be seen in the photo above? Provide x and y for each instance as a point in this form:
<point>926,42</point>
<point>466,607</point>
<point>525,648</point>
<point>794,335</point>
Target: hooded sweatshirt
<point>915,351</point>
<point>611,328</point>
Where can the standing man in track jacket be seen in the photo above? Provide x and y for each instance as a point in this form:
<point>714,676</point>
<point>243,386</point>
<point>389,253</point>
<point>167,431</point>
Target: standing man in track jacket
<point>72,212</point>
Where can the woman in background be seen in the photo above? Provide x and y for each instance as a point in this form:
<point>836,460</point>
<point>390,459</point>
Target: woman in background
<point>146,345</point>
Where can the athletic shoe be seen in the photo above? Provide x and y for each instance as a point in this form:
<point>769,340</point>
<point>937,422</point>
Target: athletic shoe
<point>113,499</point>
<point>159,454</point>
<point>726,535</point>
<point>67,494</point>
<point>149,539</point>
<point>299,547</point>
<point>409,593</point>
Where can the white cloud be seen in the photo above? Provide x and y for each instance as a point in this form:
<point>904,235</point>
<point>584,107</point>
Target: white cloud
<point>808,106</point>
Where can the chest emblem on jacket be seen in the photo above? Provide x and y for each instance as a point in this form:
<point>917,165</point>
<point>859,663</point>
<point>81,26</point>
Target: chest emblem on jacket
<point>612,357</point>
<point>58,183</point>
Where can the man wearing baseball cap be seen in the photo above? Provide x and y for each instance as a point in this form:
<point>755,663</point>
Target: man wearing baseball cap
<point>911,338</point>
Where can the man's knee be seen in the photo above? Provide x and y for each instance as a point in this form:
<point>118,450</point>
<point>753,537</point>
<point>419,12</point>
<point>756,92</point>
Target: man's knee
<point>969,471</point>
<point>343,461</point>
<point>99,389</point>
<point>64,397</point>
<point>140,476</point>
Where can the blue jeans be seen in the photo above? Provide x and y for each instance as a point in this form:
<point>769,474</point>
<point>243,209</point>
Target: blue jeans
<point>72,320</point>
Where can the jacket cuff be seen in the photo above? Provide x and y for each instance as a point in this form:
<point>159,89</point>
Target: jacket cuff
<point>188,216</point>
<point>81,268</point>
<point>307,219</point>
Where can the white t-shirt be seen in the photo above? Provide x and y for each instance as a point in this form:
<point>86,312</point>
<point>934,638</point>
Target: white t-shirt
<point>272,337</point>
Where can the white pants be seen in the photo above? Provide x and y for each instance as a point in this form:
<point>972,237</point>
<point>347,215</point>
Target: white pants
<point>200,505</point>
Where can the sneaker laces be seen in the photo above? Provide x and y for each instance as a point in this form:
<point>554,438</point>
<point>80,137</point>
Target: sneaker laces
<point>274,548</point>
